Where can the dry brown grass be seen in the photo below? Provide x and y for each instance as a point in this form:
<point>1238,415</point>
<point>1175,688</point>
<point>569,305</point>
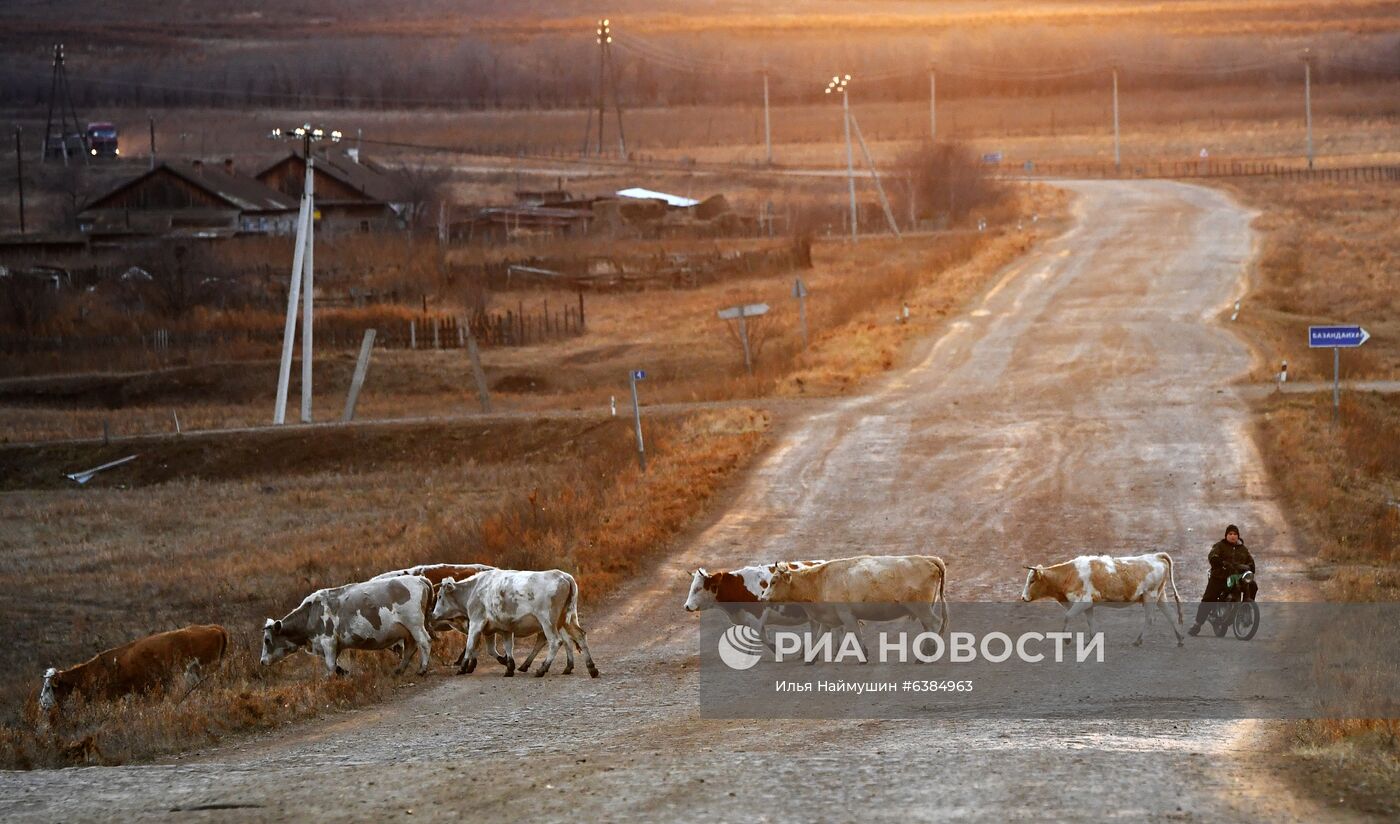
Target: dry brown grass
<point>1341,485</point>
<point>1330,254</point>
<point>213,531</point>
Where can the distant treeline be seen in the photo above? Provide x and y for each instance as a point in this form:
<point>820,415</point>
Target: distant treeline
<point>384,72</point>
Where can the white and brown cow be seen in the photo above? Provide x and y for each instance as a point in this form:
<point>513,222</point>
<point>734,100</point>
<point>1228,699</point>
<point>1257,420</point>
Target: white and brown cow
<point>373,615</point>
<point>1099,580</point>
<point>137,666</point>
<point>846,591</point>
<point>436,573</point>
<point>739,591</point>
<point>512,602</point>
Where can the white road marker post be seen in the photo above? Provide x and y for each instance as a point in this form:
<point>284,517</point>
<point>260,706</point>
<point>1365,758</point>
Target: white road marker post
<point>636,375</point>
<point>358,381</point>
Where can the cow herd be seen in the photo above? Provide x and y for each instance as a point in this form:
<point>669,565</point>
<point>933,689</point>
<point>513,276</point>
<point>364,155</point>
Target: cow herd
<point>846,591</point>
<point>401,610</point>
<point>404,609</point>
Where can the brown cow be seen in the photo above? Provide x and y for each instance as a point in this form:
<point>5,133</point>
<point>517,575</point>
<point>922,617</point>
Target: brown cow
<point>845,591</point>
<point>738,593</point>
<point>1099,580</point>
<point>137,666</point>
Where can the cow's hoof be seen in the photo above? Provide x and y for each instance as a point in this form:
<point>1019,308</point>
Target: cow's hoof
<point>470,667</point>
<point>568,670</point>
<point>501,659</point>
<point>593,672</point>
<point>1137,643</point>
<point>510,674</point>
<point>540,674</point>
<point>523,668</point>
<point>1180,643</point>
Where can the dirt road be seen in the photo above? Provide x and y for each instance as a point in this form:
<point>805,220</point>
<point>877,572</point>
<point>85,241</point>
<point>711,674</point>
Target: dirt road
<point>1082,405</point>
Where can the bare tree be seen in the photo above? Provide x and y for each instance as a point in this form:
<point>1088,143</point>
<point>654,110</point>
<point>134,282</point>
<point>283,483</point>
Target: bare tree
<point>948,179</point>
<point>424,187</point>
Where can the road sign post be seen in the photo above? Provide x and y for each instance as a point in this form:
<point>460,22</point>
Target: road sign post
<point>636,375</point>
<point>1336,338</point>
<point>799,291</point>
<point>740,313</point>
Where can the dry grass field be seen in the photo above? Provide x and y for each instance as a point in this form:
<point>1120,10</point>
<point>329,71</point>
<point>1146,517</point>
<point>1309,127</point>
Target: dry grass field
<point>1329,254</point>
<point>233,529</point>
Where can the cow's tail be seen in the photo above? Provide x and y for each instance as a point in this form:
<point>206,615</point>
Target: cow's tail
<point>429,604</point>
<point>942,600</point>
<point>1171,576</point>
<point>569,615</point>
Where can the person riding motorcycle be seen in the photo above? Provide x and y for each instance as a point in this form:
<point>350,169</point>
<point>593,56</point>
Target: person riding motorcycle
<point>1228,557</point>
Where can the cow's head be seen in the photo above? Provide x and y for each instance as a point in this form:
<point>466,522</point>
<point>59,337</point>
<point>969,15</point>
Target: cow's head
<point>1036,585</point>
<point>780,587</point>
<point>53,689</point>
<point>450,602</point>
<point>276,643</point>
<point>703,588</point>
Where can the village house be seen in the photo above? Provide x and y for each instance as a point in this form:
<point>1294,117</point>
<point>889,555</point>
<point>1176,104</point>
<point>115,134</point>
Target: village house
<point>198,200</point>
<point>352,193</point>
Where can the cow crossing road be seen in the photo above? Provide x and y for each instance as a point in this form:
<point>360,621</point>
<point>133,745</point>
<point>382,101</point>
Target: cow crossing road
<point>1077,409</point>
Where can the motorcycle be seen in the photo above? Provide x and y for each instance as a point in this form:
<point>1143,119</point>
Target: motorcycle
<point>1235,611</point>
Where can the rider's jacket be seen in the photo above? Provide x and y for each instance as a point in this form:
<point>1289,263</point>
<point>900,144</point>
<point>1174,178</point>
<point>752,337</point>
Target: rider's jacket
<point>1227,558</point>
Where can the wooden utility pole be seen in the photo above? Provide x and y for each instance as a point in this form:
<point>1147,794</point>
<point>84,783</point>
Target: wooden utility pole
<point>767,122</point>
<point>1307,101</point>
<point>19,174</point>
<point>879,189</point>
<point>932,105</point>
<point>1117,151</point>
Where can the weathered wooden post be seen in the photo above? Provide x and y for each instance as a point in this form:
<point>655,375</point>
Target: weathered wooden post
<point>358,381</point>
<point>478,374</point>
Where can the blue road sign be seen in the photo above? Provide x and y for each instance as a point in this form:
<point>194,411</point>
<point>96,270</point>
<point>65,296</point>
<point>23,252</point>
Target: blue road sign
<point>1343,337</point>
<point>639,374</point>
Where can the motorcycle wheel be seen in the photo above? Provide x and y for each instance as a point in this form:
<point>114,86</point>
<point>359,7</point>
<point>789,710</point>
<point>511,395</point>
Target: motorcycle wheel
<point>1246,620</point>
<point>1220,620</point>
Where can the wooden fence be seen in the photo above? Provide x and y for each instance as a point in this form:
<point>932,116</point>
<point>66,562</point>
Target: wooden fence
<point>520,326</point>
<point>1205,169</point>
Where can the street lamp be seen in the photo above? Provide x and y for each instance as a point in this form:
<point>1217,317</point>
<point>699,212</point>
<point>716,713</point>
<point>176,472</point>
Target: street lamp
<point>302,268</point>
<point>839,83</point>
